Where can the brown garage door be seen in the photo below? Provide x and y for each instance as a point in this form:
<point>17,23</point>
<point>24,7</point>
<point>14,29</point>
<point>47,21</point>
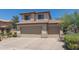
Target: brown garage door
<point>31,30</point>
<point>53,29</point>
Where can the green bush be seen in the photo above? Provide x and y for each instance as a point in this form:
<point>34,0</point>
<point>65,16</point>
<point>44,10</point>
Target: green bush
<point>72,46</point>
<point>72,41</point>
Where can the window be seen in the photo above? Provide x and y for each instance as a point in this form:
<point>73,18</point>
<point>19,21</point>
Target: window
<point>27,17</point>
<point>40,16</point>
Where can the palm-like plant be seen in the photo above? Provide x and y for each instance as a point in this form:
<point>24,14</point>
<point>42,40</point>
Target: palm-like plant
<point>15,20</point>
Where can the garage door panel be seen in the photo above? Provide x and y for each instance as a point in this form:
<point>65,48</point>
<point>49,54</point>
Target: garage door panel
<point>53,29</point>
<point>31,30</point>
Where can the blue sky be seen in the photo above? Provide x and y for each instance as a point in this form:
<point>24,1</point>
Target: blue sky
<point>55,13</point>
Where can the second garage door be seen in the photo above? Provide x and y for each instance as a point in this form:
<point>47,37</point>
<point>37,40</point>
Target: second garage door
<point>31,30</point>
<point>53,29</point>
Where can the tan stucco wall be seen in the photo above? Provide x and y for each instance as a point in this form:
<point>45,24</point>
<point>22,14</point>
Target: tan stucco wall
<point>34,17</point>
<point>44,32</point>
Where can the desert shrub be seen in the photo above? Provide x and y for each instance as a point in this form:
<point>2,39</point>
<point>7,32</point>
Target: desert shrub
<point>9,34</point>
<point>72,41</point>
<point>2,34</point>
<point>15,34</point>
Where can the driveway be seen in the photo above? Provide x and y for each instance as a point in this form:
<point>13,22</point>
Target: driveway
<point>23,43</point>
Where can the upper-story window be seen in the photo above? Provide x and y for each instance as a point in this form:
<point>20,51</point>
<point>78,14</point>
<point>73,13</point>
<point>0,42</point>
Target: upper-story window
<point>27,17</point>
<point>40,16</point>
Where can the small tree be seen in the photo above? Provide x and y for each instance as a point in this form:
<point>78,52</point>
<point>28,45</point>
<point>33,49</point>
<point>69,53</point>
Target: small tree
<point>70,22</point>
<point>66,21</point>
<point>15,20</point>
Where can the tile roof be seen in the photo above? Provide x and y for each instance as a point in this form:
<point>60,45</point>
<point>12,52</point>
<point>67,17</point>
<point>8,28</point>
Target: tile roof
<point>34,12</point>
<point>35,22</point>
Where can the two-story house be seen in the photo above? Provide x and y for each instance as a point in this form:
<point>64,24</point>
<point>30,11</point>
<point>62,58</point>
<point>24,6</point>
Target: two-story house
<point>38,23</point>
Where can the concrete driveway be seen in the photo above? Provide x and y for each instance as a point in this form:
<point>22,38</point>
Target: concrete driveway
<point>23,43</point>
